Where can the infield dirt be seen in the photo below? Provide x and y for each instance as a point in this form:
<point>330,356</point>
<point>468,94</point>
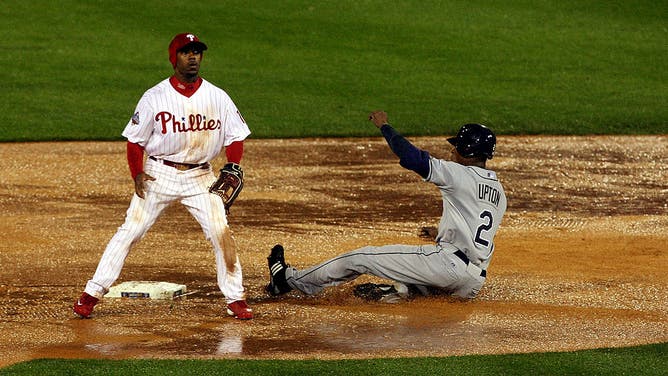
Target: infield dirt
<point>580,260</point>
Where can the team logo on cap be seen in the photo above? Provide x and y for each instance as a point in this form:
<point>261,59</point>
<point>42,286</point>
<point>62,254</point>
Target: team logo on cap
<point>191,37</point>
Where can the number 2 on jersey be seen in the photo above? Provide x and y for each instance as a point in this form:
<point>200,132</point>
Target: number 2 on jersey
<point>484,227</point>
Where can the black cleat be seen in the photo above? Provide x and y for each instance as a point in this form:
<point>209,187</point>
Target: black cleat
<point>278,285</point>
<point>380,293</point>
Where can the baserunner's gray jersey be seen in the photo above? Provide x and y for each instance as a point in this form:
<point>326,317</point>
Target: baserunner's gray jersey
<point>473,204</point>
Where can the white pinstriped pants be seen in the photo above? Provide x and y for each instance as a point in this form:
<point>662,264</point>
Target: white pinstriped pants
<point>191,189</point>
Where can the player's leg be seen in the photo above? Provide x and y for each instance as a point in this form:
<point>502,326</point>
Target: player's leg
<point>420,265</point>
<point>140,216</point>
<point>209,211</point>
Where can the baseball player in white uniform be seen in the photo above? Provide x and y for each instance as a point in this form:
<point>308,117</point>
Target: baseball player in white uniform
<point>181,124</point>
<point>456,264</point>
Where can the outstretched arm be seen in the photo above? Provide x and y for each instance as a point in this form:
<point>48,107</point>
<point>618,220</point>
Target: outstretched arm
<point>410,157</point>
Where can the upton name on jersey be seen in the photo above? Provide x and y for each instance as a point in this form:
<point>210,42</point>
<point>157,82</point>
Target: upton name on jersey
<point>489,194</point>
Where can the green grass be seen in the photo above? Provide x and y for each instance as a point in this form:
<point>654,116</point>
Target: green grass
<point>74,70</point>
<point>642,360</point>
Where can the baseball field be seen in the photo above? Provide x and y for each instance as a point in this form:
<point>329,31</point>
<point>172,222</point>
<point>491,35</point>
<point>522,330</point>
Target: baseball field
<point>576,92</point>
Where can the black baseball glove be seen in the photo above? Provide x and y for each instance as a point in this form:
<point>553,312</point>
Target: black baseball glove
<point>229,183</point>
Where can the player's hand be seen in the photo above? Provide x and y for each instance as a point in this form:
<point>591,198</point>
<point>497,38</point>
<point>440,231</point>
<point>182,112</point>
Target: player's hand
<point>378,118</point>
<point>428,232</point>
<point>140,188</point>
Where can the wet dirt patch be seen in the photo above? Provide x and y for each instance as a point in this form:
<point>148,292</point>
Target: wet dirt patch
<point>578,261</point>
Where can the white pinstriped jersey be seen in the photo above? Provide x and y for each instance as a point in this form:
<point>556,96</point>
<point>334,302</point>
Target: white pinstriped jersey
<point>184,129</point>
<point>473,205</point>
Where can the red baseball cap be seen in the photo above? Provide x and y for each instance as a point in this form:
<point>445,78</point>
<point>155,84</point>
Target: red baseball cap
<point>180,41</point>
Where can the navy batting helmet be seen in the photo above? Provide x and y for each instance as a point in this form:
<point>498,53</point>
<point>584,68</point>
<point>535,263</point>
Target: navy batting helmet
<point>474,140</point>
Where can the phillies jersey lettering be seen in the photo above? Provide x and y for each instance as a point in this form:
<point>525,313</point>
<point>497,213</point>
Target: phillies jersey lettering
<point>195,123</point>
<point>172,126</point>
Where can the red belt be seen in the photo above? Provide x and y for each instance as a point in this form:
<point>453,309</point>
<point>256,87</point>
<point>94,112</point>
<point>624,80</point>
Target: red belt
<point>180,166</point>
